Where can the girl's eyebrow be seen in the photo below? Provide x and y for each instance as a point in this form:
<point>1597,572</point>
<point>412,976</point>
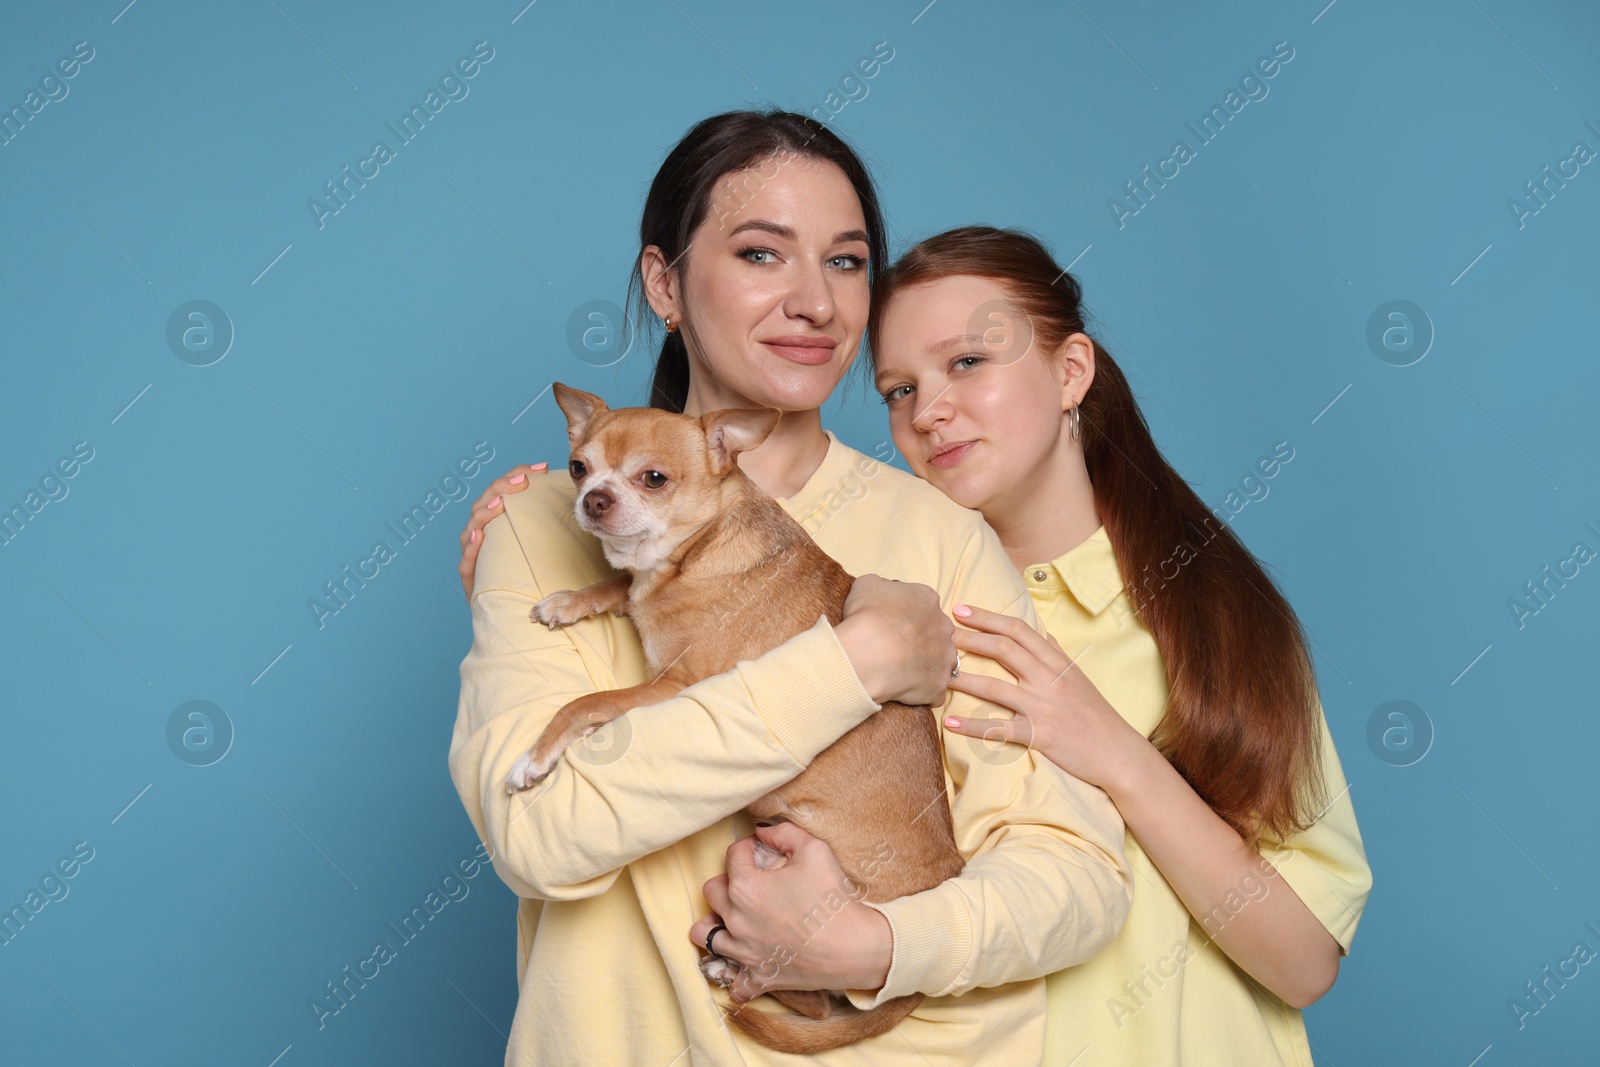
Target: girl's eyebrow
<point>951,342</point>
<point>788,234</point>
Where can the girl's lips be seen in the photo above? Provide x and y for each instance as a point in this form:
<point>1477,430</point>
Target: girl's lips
<point>811,351</point>
<point>951,456</point>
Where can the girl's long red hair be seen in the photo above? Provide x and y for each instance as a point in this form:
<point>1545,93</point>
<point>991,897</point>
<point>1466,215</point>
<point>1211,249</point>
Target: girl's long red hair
<point>1242,718</point>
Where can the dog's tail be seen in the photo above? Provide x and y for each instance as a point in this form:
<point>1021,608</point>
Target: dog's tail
<point>847,1024</point>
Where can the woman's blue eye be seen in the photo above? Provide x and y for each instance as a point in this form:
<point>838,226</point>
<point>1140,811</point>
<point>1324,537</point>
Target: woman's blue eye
<point>848,262</point>
<point>894,394</point>
<point>974,359</point>
<point>749,252</point>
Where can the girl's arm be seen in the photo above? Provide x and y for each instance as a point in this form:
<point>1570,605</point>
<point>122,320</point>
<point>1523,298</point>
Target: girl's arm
<point>1231,889</point>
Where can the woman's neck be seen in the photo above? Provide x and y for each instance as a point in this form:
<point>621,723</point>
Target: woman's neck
<point>783,463</point>
<point>1049,510</point>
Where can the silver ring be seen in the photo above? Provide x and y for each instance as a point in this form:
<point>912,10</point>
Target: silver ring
<point>957,672</point>
<point>714,931</point>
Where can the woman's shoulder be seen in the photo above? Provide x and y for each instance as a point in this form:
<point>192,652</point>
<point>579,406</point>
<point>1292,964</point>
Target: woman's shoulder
<point>540,540</point>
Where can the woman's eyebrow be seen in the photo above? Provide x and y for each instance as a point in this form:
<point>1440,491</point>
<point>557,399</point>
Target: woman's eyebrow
<point>788,234</point>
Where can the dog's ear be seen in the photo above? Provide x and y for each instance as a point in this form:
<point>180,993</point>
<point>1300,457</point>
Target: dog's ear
<point>579,407</point>
<point>735,430</point>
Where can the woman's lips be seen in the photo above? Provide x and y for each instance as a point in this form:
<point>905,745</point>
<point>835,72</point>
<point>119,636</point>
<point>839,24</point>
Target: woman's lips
<point>949,457</point>
<point>811,351</point>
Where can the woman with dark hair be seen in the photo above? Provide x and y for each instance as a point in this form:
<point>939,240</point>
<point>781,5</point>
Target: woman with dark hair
<point>759,236</point>
<point>1173,673</point>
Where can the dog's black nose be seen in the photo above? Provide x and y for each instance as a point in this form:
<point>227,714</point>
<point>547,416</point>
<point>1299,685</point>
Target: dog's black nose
<point>597,503</point>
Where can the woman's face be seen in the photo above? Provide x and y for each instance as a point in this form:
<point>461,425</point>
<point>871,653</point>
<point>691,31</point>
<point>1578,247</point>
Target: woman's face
<point>772,292</point>
<point>974,405</point>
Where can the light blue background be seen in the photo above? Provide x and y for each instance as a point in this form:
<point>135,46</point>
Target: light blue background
<point>429,312</point>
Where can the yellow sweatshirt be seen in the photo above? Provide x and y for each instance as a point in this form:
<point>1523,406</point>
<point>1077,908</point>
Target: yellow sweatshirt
<point>609,853</point>
<point>1163,995</point>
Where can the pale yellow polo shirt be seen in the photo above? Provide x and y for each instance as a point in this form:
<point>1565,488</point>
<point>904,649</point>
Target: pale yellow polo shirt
<point>609,853</point>
<point>1163,995</point>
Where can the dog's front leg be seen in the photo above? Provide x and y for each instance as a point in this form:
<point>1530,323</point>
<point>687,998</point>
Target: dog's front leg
<point>566,608</point>
<point>578,719</point>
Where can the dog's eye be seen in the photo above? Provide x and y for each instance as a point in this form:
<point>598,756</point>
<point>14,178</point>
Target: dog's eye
<point>577,470</point>
<point>654,479</point>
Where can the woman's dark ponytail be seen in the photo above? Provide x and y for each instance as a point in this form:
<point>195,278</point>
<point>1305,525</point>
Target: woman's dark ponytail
<point>669,390</point>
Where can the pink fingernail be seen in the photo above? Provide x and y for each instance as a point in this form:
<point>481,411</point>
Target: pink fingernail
<point>517,479</point>
<point>494,503</point>
<point>953,723</point>
<point>962,610</point>
<point>473,537</point>
<point>540,466</point>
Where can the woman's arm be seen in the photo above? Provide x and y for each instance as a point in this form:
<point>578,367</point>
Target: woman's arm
<point>1046,883</point>
<point>1266,929</point>
<point>653,777</point>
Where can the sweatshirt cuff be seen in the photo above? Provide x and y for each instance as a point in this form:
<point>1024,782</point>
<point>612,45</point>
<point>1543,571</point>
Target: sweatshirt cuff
<point>809,695</point>
<point>932,935</point>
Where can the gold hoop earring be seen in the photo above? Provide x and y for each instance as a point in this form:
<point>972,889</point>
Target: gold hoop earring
<point>670,325</point>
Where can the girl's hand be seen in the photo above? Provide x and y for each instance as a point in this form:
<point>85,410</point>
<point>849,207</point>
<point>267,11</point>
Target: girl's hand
<point>795,923</point>
<point>485,508</point>
<point>1059,712</point>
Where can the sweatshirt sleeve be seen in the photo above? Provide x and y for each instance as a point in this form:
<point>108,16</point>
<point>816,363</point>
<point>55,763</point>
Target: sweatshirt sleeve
<point>1046,884</point>
<point>651,777</point>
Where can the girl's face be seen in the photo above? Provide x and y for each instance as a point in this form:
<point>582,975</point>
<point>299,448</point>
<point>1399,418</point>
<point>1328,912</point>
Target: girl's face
<point>974,405</point>
<point>772,292</point>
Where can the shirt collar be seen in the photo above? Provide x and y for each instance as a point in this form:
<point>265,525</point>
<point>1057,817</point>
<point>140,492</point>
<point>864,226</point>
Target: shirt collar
<point>1088,571</point>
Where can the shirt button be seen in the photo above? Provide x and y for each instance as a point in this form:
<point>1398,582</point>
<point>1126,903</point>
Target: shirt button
<point>1038,576</point>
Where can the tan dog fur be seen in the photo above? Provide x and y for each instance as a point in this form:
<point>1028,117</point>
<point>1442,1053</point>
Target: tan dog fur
<point>715,571</point>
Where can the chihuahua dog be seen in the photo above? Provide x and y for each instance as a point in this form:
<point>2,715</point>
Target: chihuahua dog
<point>714,572</point>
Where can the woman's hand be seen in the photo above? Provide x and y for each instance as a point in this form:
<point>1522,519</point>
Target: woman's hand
<point>898,639</point>
<point>1059,712</point>
<point>485,508</point>
<point>797,923</point>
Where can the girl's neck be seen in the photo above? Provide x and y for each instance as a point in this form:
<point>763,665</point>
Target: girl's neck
<point>1049,510</point>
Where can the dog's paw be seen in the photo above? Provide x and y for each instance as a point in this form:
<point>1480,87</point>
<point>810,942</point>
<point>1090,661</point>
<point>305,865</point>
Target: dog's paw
<point>528,772</point>
<point>562,609</point>
<point>719,969</point>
